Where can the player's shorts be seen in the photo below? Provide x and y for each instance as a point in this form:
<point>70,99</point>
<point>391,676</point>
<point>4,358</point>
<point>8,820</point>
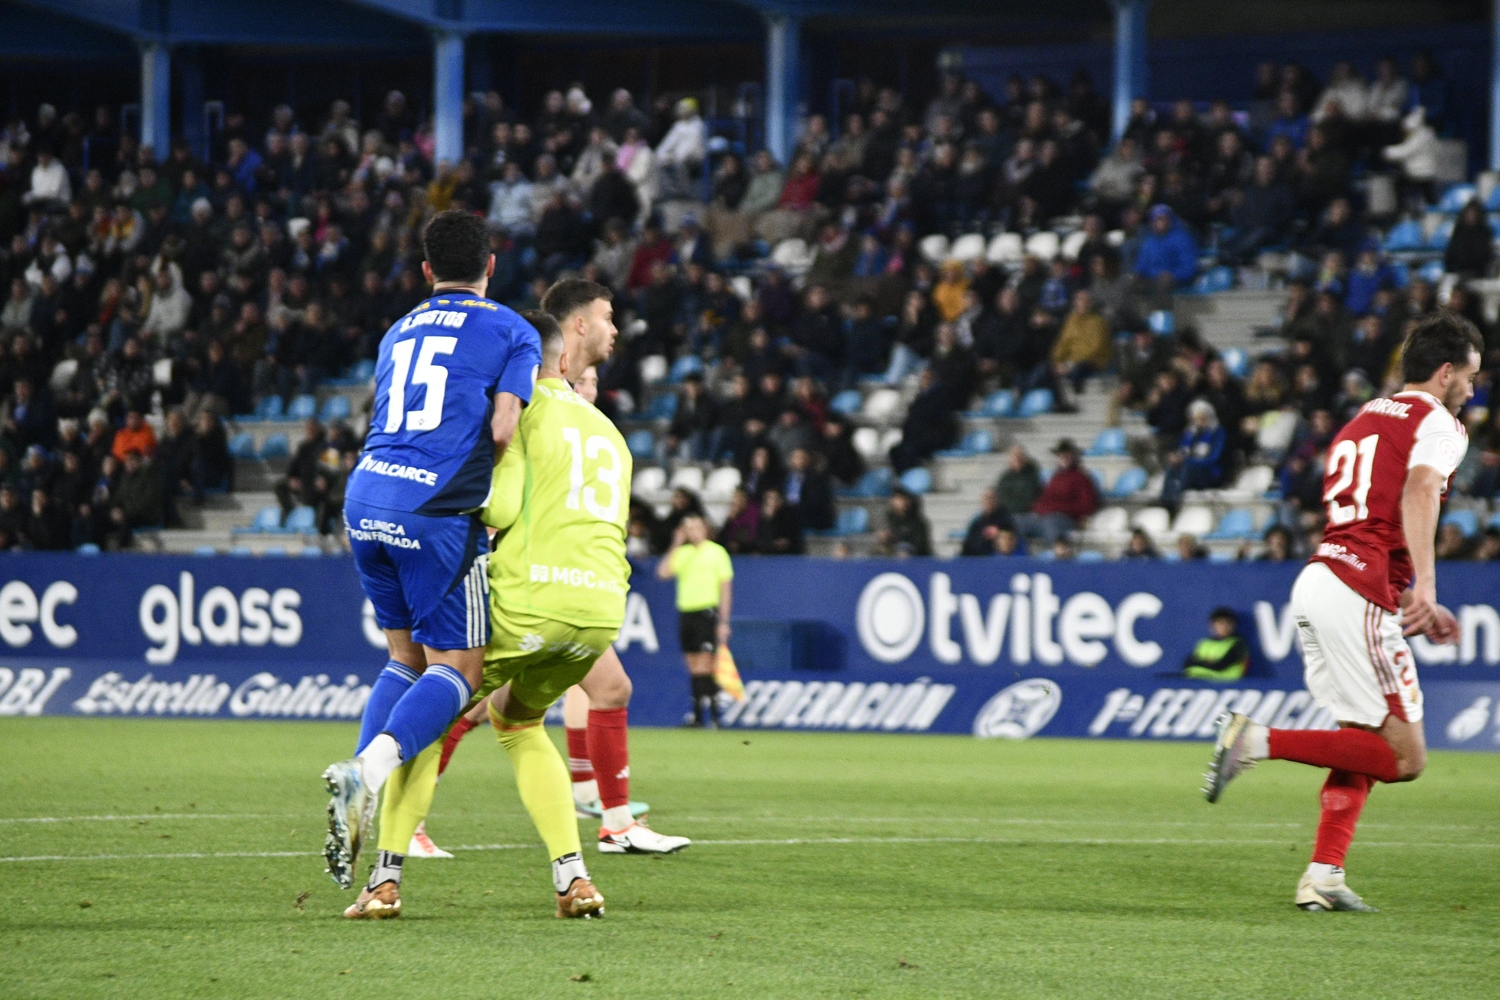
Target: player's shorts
<point>540,658</point>
<point>1358,665</point>
<point>698,631</point>
<point>426,574</point>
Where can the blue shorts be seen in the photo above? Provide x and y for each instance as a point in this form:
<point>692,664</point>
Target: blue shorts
<point>426,574</point>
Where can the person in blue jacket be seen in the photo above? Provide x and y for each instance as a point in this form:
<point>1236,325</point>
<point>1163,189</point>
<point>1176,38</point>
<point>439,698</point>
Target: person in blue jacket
<point>1168,257</point>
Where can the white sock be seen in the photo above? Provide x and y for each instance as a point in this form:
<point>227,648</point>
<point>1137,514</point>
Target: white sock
<point>1258,741</point>
<point>1325,873</point>
<point>586,792</point>
<point>380,758</point>
<point>565,869</point>
<point>617,818</point>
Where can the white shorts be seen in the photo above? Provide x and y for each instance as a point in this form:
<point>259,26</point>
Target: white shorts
<point>1358,664</point>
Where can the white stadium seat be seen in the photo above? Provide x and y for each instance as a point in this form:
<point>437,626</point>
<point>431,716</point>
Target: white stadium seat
<point>882,404</point>
<point>889,440</point>
<point>721,483</point>
<point>687,477</point>
<point>934,248</point>
<point>866,441</point>
<point>1152,520</point>
<point>1194,520</point>
<point>649,482</point>
<point>1006,248</point>
<point>1110,521</point>
<point>792,255</point>
<point>1073,244</point>
<point>653,369</point>
<point>1255,480</point>
<point>967,248</point>
<point>1043,245</point>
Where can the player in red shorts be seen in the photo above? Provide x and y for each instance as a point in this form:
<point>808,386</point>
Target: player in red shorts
<point>1370,584</point>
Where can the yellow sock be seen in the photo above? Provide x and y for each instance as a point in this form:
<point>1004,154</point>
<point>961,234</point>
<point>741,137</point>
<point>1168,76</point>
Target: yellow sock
<point>542,778</point>
<point>406,797</point>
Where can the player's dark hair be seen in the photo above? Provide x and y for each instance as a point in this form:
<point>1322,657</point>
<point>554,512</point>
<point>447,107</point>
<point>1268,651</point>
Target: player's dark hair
<point>571,294</point>
<point>1224,613</point>
<point>457,245</point>
<point>548,330</point>
<point>1443,338</point>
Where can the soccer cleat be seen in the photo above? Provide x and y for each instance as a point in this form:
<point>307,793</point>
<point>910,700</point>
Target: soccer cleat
<point>638,839</point>
<point>595,809</point>
<point>1231,755</point>
<point>351,810</point>
<point>1320,895</point>
<point>581,901</point>
<point>380,903</point>
<point>421,845</point>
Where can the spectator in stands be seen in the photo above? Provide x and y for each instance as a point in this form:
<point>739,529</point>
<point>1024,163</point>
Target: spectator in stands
<point>808,491</point>
<point>174,465</point>
<point>985,528</point>
<point>1069,498</point>
<point>840,457</point>
<point>779,533</point>
<point>1020,485</point>
<point>1471,246</point>
<point>140,496</point>
<point>1416,155</point>
<point>1203,448</point>
<point>693,435</point>
<point>682,149</point>
<point>1261,214</point>
<point>930,425</point>
<point>210,464</point>
<point>1222,657</point>
<point>1488,549</point>
<point>905,531</point>
<point>136,436</point>
<point>299,486</point>
<point>1451,542</point>
<point>1082,349</point>
<point>1168,255</point>
<point>1140,547</point>
<point>741,525</point>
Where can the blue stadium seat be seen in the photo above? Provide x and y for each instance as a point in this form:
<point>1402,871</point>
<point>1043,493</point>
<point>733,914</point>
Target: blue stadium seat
<point>1494,521</point>
<point>269,408</point>
<point>1431,272</point>
<point>87,549</point>
<point>980,442</point>
<point>688,364</point>
<point>874,483</point>
<point>1492,203</point>
<point>642,444</point>
<point>1036,402</point>
<point>363,370</point>
<point>1440,236</point>
<point>274,552</point>
<point>336,408</point>
<point>1098,478</point>
<point>242,445</point>
<point>1162,322</point>
<point>267,521</point>
<point>662,407</point>
<point>1404,236</point>
<point>1236,360</point>
<point>1090,556</point>
<point>275,446</point>
<point>1110,441</point>
<point>1000,403</point>
<point>303,520</point>
<point>205,550</point>
<point>847,402</point>
<point>1238,522</point>
<point>311,552</point>
<point>240,551</point>
<point>852,521</point>
<point>1222,557</point>
<point>1129,483</point>
<point>1455,198</point>
<point>1467,521</point>
<point>916,480</point>
<point>1217,279</point>
<point>302,407</point>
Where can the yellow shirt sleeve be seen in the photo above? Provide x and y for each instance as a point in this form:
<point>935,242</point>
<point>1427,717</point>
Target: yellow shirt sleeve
<point>508,486</point>
<point>726,567</point>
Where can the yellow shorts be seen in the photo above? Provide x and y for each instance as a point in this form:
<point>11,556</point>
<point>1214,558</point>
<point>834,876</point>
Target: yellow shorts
<point>538,657</point>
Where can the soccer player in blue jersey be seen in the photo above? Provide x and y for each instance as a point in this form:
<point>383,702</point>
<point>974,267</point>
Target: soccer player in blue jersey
<point>450,382</point>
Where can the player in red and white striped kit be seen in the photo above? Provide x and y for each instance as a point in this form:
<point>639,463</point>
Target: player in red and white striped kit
<point>1370,584</point>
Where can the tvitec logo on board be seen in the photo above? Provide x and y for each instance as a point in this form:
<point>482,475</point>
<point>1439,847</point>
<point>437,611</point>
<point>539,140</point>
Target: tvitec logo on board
<point>893,617</point>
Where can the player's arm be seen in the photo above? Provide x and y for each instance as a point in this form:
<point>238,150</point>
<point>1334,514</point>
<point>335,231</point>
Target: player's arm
<point>1421,498</point>
<point>507,487</point>
<point>666,567</point>
<point>503,424</point>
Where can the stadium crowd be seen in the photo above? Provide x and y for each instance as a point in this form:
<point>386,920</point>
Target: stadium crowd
<point>189,292</point>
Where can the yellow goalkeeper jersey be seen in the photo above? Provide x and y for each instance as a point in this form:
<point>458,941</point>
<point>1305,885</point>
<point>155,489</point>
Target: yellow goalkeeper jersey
<point>561,498</point>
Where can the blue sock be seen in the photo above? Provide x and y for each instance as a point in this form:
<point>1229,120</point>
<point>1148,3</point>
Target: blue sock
<point>394,681</point>
<point>422,715</point>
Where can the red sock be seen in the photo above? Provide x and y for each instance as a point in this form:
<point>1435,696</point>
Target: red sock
<point>1357,750</point>
<point>609,749</point>
<point>579,764</point>
<point>1344,795</point>
<point>459,730</point>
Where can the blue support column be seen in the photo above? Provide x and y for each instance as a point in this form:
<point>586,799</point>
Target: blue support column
<point>448,96</point>
<point>156,97</point>
<point>1130,59</point>
<point>783,83</point>
<point>1495,87</point>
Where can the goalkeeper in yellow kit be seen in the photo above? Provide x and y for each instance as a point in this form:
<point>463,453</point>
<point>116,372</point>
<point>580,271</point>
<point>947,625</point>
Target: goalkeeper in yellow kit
<point>557,583</point>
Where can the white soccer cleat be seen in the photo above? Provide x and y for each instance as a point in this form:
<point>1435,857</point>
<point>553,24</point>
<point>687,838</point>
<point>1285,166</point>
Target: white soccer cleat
<point>1318,895</point>
<point>351,812</point>
<point>421,845</point>
<point>1231,755</point>
<point>638,839</point>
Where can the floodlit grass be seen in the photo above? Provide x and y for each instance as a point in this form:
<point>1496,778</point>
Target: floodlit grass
<point>180,859</point>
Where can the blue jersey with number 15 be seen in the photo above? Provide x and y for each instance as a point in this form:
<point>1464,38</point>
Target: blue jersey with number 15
<point>429,449</point>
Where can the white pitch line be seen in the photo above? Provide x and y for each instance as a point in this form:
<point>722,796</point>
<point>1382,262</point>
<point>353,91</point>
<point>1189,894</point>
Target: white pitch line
<point>142,816</point>
<point>784,842</point>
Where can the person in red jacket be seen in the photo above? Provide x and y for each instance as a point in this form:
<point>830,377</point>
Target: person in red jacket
<point>1069,498</point>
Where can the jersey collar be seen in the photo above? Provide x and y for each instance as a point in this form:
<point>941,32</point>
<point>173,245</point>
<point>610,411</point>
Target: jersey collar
<point>1423,394</point>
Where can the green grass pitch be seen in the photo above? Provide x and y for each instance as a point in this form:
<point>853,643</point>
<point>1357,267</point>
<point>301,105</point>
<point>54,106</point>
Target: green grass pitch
<point>828,865</point>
